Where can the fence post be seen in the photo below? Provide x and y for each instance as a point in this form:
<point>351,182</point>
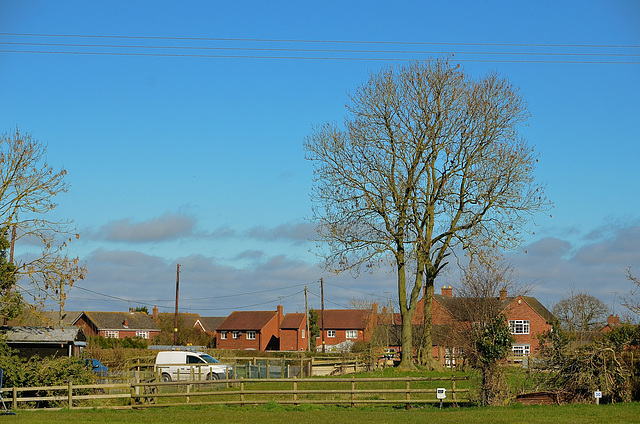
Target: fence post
<point>70,388</point>
<point>453,391</point>
<point>241,391</point>
<point>353,391</point>
<point>295,391</point>
<point>15,398</point>
<point>408,388</point>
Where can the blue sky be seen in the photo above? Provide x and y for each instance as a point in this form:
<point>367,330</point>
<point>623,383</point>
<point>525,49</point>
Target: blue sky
<point>194,156</point>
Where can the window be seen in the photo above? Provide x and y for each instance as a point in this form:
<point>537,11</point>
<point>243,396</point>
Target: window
<point>110,334</point>
<point>331,333</point>
<point>236,334</point>
<point>251,335</point>
<point>303,333</point>
<point>223,335</point>
<point>352,334</point>
<point>142,334</point>
<point>519,326</point>
<point>520,350</point>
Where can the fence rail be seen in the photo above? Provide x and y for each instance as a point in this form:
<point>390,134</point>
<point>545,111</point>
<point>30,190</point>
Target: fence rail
<point>286,391</point>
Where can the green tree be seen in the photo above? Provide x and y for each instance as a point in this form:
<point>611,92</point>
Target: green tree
<point>492,344</point>
<point>29,187</point>
<point>428,160</point>
<point>10,300</point>
<point>314,329</point>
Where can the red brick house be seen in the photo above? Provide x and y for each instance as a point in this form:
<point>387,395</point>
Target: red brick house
<point>293,334</point>
<point>117,325</point>
<point>250,330</point>
<point>343,327</point>
<point>526,317</point>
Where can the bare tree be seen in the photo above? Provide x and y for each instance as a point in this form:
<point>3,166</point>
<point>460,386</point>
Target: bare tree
<point>28,190</point>
<point>429,159</point>
<point>631,300</point>
<point>580,312</point>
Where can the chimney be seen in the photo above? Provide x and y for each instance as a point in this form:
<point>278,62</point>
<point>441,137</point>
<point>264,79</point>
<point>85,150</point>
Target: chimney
<point>280,318</point>
<point>130,310</point>
<point>613,319</point>
<point>125,323</point>
<point>155,312</point>
<point>503,294</point>
<point>447,291</point>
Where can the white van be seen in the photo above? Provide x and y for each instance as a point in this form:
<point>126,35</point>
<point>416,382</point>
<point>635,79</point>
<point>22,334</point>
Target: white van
<point>176,365</point>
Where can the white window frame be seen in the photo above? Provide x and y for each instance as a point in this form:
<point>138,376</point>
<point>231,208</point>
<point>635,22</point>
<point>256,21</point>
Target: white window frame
<point>331,334</point>
<point>142,334</point>
<point>111,334</point>
<point>223,335</point>
<point>519,326</point>
<point>351,334</point>
<point>251,335</point>
<point>236,334</point>
<point>521,349</point>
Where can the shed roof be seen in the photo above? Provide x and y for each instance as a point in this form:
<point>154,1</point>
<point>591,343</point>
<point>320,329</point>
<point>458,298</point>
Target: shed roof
<point>32,334</point>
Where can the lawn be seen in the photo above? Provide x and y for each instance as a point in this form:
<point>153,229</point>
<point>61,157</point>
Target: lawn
<point>272,413</point>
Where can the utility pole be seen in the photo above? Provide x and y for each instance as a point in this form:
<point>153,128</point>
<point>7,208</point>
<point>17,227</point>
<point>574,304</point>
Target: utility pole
<point>322,297</point>
<point>306,311</point>
<point>175,322</point>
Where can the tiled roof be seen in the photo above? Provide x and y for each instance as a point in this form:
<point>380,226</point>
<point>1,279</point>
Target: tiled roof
<point>187,319</point>
<point>344,319</point>
<point>46,318</point>
<point>247,320</point>
<point>30,334</point>
<point>211,323</point>
<point>458,305</point>
<point>293,320</point>
<point>116,320</point>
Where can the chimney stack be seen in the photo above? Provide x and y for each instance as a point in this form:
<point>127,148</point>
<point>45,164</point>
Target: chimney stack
<point>503,294</point>
<point>447,291</point>
<point>155,313</point>
<point>613,319</point>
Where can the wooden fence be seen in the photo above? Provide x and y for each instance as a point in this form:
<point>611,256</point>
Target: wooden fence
<point>294,391</point>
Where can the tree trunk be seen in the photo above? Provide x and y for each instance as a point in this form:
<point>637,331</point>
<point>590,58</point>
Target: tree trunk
<point>426,354</point>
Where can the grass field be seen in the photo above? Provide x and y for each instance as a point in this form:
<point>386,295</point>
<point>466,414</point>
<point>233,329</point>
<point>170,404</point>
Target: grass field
<point>597,414</point>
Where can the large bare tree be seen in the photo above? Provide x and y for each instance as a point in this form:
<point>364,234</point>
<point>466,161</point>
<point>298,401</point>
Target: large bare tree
<point>29,187</point>
<point>580,312</point>
<point>428,159</point>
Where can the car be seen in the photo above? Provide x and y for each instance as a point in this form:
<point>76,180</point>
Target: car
<point>176,365</point>
<point>97,367</point>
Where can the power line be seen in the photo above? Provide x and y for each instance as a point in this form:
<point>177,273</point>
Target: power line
<point>416,43</point>
<point>581,62</point>
<point>271,49</point>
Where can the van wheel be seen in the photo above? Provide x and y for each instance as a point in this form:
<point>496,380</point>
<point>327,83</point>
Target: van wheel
<point>166,378</point>
<point>212,376</point>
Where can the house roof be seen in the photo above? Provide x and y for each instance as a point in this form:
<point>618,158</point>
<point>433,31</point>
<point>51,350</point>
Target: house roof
<point>456,305</point>
<point>116,320</point>
<point>32,334</point>
<point>246,320</point>
<point>293,320</point>
<point>187,319</point>
<point>44,318</point>
<point>211,323</point>
<point>344,319</point>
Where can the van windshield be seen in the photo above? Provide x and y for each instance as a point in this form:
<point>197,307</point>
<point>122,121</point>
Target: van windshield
<point>210,359</point>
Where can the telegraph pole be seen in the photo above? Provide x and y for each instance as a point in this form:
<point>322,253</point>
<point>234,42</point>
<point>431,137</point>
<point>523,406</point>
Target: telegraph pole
<point>322,296</point>
<point>175,322</point>
<point>306,311</point>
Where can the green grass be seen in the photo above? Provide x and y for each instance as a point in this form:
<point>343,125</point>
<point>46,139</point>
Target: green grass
<point>273,413</point>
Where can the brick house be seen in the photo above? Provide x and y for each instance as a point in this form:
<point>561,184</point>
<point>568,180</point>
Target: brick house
<point>117,325</point>
<point>343,327</point>
<point>250,330</point>
<point>526,318</point>
<point>293,332</point>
